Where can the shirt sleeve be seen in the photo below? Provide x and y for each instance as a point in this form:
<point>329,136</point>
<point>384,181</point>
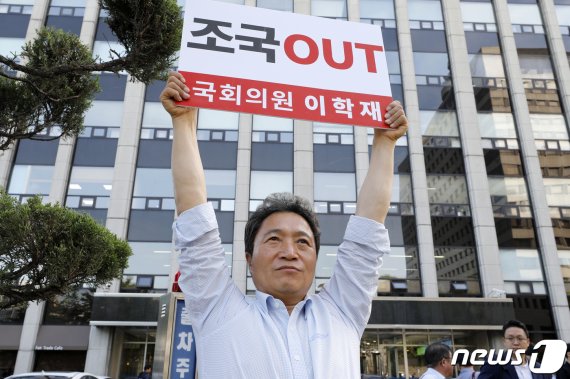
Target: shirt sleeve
<point>205,280</point>
<point>355,279</point>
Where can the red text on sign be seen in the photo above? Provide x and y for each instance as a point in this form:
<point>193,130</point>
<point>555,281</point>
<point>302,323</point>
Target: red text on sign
<point>313,55</point>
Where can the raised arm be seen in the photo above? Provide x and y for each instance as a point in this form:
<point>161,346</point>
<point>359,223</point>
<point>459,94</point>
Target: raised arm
<point>187,169</point>
<point>374,197</point>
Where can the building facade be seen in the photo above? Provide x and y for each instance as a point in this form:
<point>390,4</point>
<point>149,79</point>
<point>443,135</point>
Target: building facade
<point>480,215</point>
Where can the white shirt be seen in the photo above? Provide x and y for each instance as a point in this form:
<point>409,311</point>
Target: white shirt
<point>243,337</point>
<point>523,371</point>
<point>432,374</point>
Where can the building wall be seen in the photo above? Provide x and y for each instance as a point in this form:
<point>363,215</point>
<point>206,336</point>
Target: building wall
<point>480,204</point>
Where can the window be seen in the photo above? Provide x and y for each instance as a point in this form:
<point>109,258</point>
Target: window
<point>429,10</point>
<point>329,8</point>
<point>475,12</point>
<point>334,187</point>
<point>434,123</point>
<point>496,125</point>
<point>508,191</point>
<point>280,5</point>
<point>447,189</point>
<point>211,119</point>
<point>377,9</point>
<point>520,265</point>
<point>31,180</point>
<point>264,183</point>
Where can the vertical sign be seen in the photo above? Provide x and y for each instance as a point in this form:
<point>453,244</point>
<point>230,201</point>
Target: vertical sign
<point>183,357</point>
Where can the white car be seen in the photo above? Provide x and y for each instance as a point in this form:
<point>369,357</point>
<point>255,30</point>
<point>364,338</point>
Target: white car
<point>55,375</point>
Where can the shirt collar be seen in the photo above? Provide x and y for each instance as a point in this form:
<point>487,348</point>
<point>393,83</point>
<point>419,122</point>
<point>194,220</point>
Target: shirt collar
<point>435,372</point>
<point>267,302</point>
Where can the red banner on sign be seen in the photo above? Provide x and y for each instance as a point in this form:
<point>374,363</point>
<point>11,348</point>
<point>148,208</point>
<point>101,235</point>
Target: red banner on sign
<point>283,100</point>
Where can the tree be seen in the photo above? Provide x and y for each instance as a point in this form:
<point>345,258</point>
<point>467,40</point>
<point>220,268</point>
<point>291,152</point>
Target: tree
<point>55,85</point>
<point>49,250</point>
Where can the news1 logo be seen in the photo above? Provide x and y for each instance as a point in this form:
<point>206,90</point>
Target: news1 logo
<point>552,359</point>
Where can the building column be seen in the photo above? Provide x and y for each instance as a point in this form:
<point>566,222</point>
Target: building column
<point>27,352</point>
<point>37,20</point>
<point>35,311</point>
<point>101,338</point>
<point>66,148</point>
<point>416,155</point>
<point>302,6</point>
<point>557,54</point>
<point>543,223</point>
<point>239,263</point>
<point>475,170</point>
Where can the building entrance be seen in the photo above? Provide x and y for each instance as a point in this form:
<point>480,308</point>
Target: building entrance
<point>399,354</point>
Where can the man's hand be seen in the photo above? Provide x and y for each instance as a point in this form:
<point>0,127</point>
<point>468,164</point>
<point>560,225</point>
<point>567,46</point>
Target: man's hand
<point>175,90</point>
<point>396,120</point>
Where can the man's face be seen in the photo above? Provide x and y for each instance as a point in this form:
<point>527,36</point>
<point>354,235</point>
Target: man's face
<point>283,260</point>
<point>447,367</point>
<point>515,338</point>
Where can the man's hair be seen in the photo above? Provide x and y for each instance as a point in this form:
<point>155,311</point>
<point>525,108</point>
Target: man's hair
<point>435,353</point>
<point>281,202</point>
<point>515,324</point>
<point>146,367</point>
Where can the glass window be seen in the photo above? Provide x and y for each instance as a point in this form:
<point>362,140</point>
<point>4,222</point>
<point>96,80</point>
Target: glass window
<point>335,186</point>
<point>535,66</point>
<point>273,124</point>
<point>402,189</point>
<point>434,123</point>
<point>329,8</point>
<point>431,64</point>
<point>507,190</point>
<point>520,264</point>
<point>557,191</point>
<point>221,184</point>
<point>31,180</point>
<point>477,12</point>
<point>563,14</point>
<point>564,259</point>
<point>150,258</point>
<point>496,125</point>
<point>102,50</point>
<point>11,45</point>
<point>91,181</point>
<point>524,14</point>
<point>104,113</point>
<point>212,119</point>
<point>320,127</point>
<point>281,5</point>
<point>486,65</point>
<point>401,263</point>
<point>548,126</point>
<point>264,183</point>
<point>429,10</point>
<point>153,182</point>
<point>326,261</point>
<point>155,116</point>
<point>447,189</point>
<point>379,9</point>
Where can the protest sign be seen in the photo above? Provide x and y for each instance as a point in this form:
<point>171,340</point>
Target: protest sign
<point>246,59</point>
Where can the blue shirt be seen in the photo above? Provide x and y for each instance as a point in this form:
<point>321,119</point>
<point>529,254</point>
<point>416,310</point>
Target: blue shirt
<point>244,337</point>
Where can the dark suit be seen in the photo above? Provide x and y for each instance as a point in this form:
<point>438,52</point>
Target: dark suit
<point>564,372</point>
<point>505,372</point>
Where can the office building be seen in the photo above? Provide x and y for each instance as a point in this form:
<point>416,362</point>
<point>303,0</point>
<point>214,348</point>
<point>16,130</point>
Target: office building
<point>480,215</point>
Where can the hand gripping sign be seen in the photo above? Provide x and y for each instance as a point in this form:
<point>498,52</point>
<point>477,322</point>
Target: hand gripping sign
<point>246,59</point>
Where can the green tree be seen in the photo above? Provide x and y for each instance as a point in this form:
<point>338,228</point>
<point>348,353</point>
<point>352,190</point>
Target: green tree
<point>55,85</point>
<point>49,250</point>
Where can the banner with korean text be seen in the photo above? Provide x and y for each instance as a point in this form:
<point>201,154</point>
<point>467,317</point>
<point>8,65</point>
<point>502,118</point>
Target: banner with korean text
<point>245,59</point>
<point>183,358</point>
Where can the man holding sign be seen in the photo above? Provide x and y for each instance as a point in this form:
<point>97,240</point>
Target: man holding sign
<point>230,58</point>
<point>283,332</point>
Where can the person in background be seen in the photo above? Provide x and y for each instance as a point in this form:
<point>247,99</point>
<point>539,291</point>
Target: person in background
<point>515,337</point>
<point>438,360</point>
<point>564,372</point>
<point>146,373</point>
<point>467,372</point>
